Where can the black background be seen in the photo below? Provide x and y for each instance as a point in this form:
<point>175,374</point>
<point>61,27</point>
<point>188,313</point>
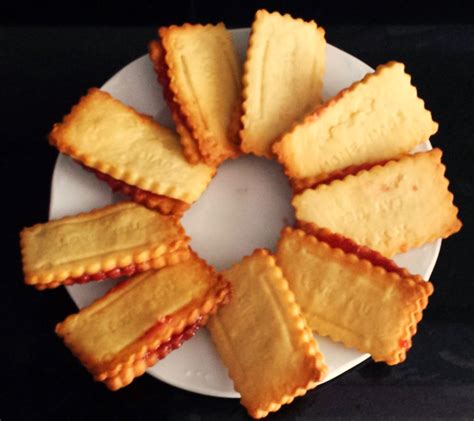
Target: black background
<point>51,53</point>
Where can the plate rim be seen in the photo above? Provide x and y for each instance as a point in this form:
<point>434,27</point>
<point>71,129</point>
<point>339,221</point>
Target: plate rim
<point>205,390</point>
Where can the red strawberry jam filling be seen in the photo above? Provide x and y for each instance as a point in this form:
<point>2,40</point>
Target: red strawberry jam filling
<point>119,185</point>
<point>337,175</point>
<point>101,275</point>
<point>161,69</point>
<point>144,197</point>
<point>404,344</point>
<point>174,342</point>
<point>350,246</point>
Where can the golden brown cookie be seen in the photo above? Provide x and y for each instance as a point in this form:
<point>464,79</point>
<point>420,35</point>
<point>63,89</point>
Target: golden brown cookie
<point>353,294</point>
<point>283,78</point>
<point>142,319</point>
<point>378,118</point>
<point>390,208</point>
<point>190,147</point>
<point>132,152</point>
<point>262,338</point>
<point>110,242</point>
<point>197,66</point>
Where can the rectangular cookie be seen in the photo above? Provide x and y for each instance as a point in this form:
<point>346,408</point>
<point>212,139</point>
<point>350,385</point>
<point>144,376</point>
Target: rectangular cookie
<point>132,152</point>
<point>197,66</point>
<point>375,119</point>
<point>142,319</point>
<point>188,143</point>
<point>110,242</point>
<point>390,208</point>
<point>283,78</point>
<point>353,294</point>
<point>264,341</point>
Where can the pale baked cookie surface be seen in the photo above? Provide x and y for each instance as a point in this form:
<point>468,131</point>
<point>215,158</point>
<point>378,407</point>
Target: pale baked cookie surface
<point>283,78</point>
<point>112,138</point>
<point>105,239</point>
<point>263,339</point>
<point>391,208</point>
<point>204,79</point>
<point>352,297</point>
<point>116,336</point>
<point>378,118</point>
<point>188,143</point>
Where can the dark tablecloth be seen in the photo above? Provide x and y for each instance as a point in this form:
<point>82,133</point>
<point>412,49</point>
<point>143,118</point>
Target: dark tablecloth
<point>44,71</point>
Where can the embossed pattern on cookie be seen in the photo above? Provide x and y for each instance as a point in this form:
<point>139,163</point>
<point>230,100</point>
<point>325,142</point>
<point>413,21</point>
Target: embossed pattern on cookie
<point>117,340</point>
<point>110,242</point>
<point>353,294</point>
<point>283,78</point>
<point>273,365</point>
<point>390,208</point>
<point>142,157</point>
<point>378,118</point>
<point>198,68</point>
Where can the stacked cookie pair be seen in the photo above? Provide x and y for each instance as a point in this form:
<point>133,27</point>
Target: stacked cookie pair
<point>317,282</point>
<point>360,198</point>
<point>169,294</point>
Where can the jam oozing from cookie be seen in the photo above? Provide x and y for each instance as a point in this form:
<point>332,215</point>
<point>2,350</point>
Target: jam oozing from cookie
<point>161,69</point>
<point>101,275</point>
<point>336,175</point>
<point>404,343</point>
<point>349,246</point>
<point>222,295</point>
<point>154,355</point>
<point>129,270</point>
<point>174,342</point>
<point>150,200</point>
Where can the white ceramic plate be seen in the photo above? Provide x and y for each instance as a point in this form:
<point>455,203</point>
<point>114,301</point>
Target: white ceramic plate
<point>244,207</point>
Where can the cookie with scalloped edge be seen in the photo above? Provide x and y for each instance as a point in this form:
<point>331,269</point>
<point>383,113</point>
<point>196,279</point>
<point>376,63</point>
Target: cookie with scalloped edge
<point>278,361</point>
<point>301,184</point>
<point>132,152</point>
<point>198,68</point>
<point>390,208</point>
<point>189,144</point>
<point>378,118</point>
<point>142,319</point>
<point>283,78</point>
<point>110,242</point>
<point>353,294</point>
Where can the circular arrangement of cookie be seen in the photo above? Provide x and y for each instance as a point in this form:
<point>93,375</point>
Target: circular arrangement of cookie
<point>317,295</point>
